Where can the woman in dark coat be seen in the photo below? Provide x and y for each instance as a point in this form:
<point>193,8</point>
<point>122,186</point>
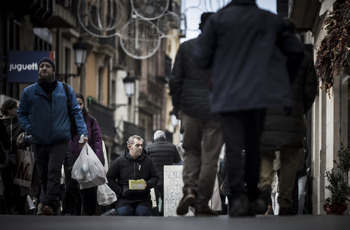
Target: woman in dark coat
<point>71,202</point>
<point>15,203</point>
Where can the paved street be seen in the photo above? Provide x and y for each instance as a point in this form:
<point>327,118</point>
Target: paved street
<point>310,222</point>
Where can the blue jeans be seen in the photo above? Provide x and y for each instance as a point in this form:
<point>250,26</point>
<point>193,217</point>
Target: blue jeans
<point>134,210</point>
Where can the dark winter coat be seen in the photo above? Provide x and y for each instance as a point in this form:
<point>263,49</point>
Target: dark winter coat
<point>125,168</point>
<point>162,153</point>
<point>94,139</point>
<point>283,131</point>
<point>246,48</point>
<point>189,84</point>
<point>13,129</point>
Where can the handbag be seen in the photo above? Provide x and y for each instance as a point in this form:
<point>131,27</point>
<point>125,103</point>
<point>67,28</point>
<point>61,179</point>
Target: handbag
<point>88,169</point>
<point>105,195</point>
<point>24,167</point>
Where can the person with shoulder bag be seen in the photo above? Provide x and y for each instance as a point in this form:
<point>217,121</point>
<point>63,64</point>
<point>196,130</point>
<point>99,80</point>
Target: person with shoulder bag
<point>44,114</point>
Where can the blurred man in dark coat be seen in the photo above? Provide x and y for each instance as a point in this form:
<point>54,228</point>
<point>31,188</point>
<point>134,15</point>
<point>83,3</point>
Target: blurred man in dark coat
<point>286,133</point>
<point>253,55</point>
<point>202,134</point>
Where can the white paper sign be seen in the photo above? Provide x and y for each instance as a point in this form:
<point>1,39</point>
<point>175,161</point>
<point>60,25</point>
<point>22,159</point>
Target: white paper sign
<point>173,185</point>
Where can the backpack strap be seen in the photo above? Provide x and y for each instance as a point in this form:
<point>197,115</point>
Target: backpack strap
<point>67,94</point>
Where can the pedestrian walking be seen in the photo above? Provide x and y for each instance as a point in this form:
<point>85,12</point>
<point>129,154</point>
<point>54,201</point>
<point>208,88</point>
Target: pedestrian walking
<point>131,176</point>
<point>285,133</point>
<point>4,147</point>
<point>14,199</point>
<point>73,195</point>
<point>253,55</point>
<point>44,114</point>
<point>202,134</point>
<point>162,153</point>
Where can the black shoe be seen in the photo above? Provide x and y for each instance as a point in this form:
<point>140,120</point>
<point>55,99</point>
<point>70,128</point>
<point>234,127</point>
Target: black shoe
<point>286,212</point>
<point>188,199</point>
<point>205,211</point>
<point>239,206</point>
<point>257,207</point>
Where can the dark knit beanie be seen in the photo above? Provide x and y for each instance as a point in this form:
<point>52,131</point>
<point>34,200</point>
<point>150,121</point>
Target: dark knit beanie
<point>48,60</point>
<point>204,18</point>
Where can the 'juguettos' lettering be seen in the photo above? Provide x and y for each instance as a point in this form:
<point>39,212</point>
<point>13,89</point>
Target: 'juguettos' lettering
<point>20,67</point>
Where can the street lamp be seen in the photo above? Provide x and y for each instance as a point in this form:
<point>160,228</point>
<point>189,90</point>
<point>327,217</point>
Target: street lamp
<point>80,50</point>
<point>129,86</point>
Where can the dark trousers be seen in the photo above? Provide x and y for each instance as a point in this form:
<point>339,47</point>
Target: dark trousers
<point>71,201</point>
<point>14,201</point>
<point>74,198</point>
<point>49,160</point>
<point>242,131</point>
<point>158,190</point>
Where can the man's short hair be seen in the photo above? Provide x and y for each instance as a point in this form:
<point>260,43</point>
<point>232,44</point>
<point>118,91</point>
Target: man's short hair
<point>159,134</point>
<point>131,139</point>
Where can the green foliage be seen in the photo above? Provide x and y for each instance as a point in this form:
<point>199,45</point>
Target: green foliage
<point>333,56</point>
<point>338,186</point>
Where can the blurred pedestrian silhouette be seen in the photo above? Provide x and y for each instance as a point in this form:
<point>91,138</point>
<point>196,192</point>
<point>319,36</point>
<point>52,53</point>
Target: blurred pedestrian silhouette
<point>253,55</point>
<point>202,134</point>
<point>285,133</point>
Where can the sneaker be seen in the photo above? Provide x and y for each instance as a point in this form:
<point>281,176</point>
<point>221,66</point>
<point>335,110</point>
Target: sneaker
<point>47,211</point>
<point>188,199</point>
<point>205,211</point>
<point>40,207</point>
<point>110,212</point>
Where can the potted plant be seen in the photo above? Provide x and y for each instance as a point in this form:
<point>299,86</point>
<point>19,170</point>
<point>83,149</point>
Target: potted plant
<point>336,204</point>
<point>333,55</point>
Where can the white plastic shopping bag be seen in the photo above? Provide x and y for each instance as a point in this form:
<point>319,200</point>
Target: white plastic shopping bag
<point>105,195</point>
<point>88,169</point>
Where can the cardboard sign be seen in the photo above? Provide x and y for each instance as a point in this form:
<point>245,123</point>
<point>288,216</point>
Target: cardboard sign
<point>173,185</point>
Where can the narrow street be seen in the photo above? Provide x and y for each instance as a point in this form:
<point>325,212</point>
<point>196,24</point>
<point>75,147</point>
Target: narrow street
<point>301,222</point>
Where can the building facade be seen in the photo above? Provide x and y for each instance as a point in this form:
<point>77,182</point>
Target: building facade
<point>329,118</point>
<point>57,26</point>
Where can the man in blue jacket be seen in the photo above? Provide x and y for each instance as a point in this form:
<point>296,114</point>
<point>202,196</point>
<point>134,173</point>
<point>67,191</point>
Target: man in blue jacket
<point>43,113</point>
<point>253,55</point>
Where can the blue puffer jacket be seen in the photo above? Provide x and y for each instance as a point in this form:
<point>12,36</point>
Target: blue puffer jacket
<point>48,120</point>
